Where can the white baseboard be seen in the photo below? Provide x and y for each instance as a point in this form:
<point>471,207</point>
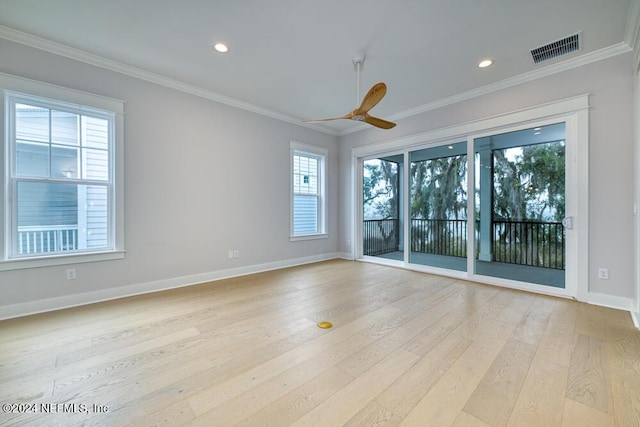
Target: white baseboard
<point>345,255</point>
<point>636,319</point>
<point>611,301</point>
<point>74,300</point>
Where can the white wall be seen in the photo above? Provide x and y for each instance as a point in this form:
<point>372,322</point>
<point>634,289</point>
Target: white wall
<point>200,178</point>
<point>609,83</point>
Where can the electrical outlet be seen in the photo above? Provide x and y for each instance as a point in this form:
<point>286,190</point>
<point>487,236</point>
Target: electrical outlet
<point>71,274</point>
<point>236,253</point>
<point>603,273</point>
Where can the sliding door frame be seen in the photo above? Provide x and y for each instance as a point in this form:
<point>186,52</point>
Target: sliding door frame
<point>358,166</point>
<point>574,112</point>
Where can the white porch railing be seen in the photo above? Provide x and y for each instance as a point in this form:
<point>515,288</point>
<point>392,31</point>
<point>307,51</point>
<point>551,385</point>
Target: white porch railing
<point>50,238</point>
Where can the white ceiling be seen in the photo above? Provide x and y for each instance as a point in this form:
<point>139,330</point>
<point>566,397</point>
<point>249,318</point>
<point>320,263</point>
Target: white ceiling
<point>291,59</point>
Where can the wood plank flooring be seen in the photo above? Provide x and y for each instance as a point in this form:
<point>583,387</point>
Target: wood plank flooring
<point>406,349</point>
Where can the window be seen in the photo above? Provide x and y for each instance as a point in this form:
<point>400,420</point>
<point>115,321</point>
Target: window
<point>60,181</point>
<point>308,204</point>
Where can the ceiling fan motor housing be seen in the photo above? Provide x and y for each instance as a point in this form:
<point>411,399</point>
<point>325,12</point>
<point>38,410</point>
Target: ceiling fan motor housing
<point>358,58</point>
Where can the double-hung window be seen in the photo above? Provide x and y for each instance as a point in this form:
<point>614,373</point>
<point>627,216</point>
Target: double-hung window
<point>60,182</point>
<point>308,202</point>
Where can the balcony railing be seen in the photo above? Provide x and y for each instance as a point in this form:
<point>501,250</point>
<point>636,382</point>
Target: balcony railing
<point>439,236</point>
<point>380,236</point>
<point>49,238</point>
<point>538,244</point>
<point>531,243</point>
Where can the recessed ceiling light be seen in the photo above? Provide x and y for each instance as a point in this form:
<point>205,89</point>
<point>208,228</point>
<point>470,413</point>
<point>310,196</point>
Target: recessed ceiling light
<point>221,47</point>
<point>485,63</point>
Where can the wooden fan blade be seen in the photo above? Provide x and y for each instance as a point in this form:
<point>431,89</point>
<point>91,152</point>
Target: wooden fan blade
<point>346,116</point>
<point>380,123</point>
<point>375,94</point>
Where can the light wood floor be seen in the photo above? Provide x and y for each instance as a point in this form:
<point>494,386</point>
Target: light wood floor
<point>406,349</point>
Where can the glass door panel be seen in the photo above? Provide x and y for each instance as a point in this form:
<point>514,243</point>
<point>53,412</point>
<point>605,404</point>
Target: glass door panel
<point>438,206</point>
<point>520,205</point>
<point>382,225</point>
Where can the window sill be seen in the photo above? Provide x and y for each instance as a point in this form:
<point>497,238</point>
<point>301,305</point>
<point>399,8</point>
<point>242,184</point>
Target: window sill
<point>308,237</point>
<point>46,261</point>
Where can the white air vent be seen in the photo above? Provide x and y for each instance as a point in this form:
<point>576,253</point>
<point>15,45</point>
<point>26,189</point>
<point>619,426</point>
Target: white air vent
<point>557,48</point>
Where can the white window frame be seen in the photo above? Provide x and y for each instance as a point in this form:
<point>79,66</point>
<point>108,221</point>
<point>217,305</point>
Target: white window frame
<point>321,154</point>
<point>54,97</point>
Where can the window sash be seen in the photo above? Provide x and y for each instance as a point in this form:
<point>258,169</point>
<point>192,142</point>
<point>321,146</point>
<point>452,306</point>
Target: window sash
<point>89,163</point>
<point>306,173</point>
<point>307,191</point>
<point>306,214</point>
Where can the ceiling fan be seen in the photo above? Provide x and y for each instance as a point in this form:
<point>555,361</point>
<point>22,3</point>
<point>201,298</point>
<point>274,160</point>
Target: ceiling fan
<point>370,100</point>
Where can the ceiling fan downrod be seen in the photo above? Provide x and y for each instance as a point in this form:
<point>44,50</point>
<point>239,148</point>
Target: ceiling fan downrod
<point>358,60</point>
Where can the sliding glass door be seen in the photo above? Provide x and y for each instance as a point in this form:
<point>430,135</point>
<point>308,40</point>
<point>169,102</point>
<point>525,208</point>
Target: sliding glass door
<point>438,206</point>
<point>490,207</point>
<point>520,205</point>
<point>382,207</point>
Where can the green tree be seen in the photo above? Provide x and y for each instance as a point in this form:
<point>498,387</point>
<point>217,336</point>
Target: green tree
<point>529,186</point>
<point>438,188</point>
<point>380,188</point>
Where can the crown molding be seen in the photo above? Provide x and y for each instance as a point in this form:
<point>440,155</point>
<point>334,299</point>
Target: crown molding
<point>109,64</point>
<point>632,42</point>
<point>632,32</point>
<point>545,71</point>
